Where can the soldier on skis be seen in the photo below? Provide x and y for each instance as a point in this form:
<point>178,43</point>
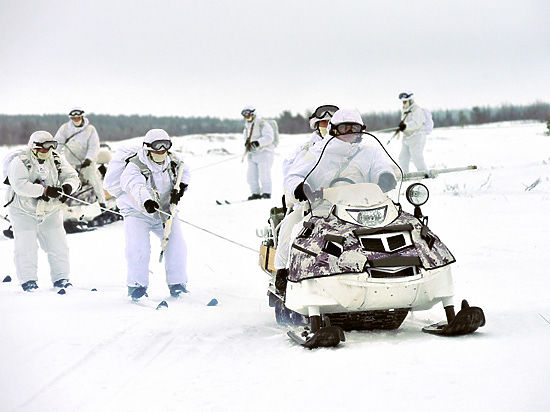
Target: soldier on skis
<point>258,141</point>
<point>38,178</point>
<point>416,123</point>
<point>340,156</point>
<point>80,145</point>
<point>148,184</point>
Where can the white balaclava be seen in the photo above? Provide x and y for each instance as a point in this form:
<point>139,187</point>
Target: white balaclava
<point>407,98</point>
<point>152,136</point>
<point>252,110</point>
<point>40,136</point>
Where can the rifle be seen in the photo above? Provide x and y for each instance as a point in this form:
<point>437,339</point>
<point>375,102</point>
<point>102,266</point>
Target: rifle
<point>397,129</point>
<point>168,223</point>
<point>247,143</point>
<point>433,173</point>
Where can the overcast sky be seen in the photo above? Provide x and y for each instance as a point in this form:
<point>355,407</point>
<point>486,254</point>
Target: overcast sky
<point>206,57</point>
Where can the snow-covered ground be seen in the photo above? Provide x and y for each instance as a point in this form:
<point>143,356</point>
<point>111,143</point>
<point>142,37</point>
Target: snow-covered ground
<point>96,351</point>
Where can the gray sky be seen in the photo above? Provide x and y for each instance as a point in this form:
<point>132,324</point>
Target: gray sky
<point>197,58</point>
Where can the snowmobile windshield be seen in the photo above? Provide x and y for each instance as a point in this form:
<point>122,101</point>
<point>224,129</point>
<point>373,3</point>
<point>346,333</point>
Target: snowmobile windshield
<point>360,175</point>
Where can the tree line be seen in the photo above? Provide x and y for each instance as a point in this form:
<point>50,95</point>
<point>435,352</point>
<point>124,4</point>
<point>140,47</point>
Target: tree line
<point>16,129</point>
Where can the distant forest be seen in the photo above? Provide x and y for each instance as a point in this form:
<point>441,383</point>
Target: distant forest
<point>16,129</point>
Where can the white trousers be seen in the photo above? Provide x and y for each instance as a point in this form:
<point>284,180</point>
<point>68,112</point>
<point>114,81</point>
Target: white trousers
<point>138,250</point>
<point>91,175</point>
<point>259,171</point>
<point>51,236</point>
<point>413,148</point>
<point>285,238</point>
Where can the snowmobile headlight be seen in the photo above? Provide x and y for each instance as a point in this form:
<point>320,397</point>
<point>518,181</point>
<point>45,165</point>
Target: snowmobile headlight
<point>369,217</point>
<point>417,194</point>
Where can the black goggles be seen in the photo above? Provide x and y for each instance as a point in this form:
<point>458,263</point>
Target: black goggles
<point>321,111</point>
<point>348,128</point>
<point>50,144</point>
<point>159,145</point>
<point>247,112</point>
<point>405,96</point>
<point>76,113</point>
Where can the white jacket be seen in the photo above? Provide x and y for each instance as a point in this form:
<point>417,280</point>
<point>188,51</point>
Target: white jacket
<point>358,162</point>
<point>28,185</point>
<point>137,188</point>
<point>83,145</point>
<point>262,133</point>
<point>415,119</point>
<point>297,156</point>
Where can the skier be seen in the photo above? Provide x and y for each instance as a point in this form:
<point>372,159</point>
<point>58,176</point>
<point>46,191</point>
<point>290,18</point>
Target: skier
<point>415,124</point>
<point>39,177</point>
<point>342,156</point>
<point>318,121</point>
<point>258,135</point>
<point>80,146</point>
<point>147,182</point>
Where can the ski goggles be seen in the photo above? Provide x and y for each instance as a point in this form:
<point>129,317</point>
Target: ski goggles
<point>76,113</point>
<point>50,144</point>
<point>321,111</point>
<point>405,96</point>
<point>347,128</point>
<point>247,112</point>
<point>159,145</point>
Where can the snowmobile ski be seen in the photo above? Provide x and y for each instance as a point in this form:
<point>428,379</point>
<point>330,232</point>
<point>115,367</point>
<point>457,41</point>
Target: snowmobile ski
<point>326,337</point>
<point>466,321</point>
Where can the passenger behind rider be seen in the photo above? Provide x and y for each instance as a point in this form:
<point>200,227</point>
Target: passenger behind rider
<point>341,156</point>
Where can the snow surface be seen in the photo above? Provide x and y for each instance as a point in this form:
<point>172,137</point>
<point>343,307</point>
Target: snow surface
<point>96,351</point>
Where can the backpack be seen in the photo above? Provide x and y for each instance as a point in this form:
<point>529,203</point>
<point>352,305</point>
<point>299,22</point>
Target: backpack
<point>275,128</point>
<point>118,163</point>
<point>428,121</point>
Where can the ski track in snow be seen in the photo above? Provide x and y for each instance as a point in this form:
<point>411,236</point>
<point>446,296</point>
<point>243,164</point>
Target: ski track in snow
<point>96,351</point>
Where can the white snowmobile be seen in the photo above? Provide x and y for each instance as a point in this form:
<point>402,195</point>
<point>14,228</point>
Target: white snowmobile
<point>359,262</point>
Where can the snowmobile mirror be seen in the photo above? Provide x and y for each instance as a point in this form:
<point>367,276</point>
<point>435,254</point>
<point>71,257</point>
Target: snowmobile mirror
<point>417,194</point>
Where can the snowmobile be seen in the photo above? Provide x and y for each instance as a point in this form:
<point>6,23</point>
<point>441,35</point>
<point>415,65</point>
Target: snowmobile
<point>81,217</point>
<point>358,261</point>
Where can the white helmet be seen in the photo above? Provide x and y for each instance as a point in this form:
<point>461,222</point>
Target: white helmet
<point>323,112</point>
<point>157,140</point>
<point>76,112</point>
<point>248,110</point>
<point>42,140</point>
<point>345,116</point>
<point>406,95</point>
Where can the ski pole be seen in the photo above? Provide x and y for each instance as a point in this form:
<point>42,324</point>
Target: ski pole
<point>208,231</point>
<point>91,204</point>
<point>6,219</point>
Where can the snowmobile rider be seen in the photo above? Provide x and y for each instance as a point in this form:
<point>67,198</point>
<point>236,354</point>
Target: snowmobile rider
<point>148,184</point>
<point>413,127</point>
<point>80,145</point>
<point>39,177</point>
<point>342,156</point>
<point>318,121</point>
<point>258,142</point>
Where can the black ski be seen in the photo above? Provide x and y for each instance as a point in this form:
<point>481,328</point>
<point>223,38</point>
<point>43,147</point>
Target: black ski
<point>231,202</point>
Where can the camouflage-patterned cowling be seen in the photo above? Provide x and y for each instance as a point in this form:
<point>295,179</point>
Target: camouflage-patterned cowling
<point>308,260</point>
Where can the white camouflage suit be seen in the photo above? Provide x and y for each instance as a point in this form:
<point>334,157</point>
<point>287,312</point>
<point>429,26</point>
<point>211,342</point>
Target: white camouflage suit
<point>34,219</point>
<point>296,215</point>
<point>84,144</point>
<point>138,223</point>
<point>367,164</point>
<point>414,138</point>
<point>260,159</point>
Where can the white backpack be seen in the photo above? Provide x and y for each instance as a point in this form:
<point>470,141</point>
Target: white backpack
<point>428,121</point>
<point>275,128</point>
<point>6,163</point>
